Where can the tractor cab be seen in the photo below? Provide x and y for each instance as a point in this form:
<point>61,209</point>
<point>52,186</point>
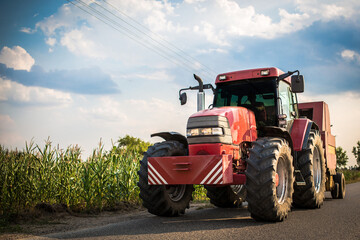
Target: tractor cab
<point>272,98</point>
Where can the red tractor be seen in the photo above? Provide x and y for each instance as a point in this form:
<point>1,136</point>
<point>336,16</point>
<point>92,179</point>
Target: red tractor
<point>254,143</point>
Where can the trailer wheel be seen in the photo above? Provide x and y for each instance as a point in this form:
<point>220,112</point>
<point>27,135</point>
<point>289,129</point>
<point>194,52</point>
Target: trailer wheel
<point>226,197</point>
<point>170,200</point>
<point>335,191</point>
<point>311,163</point>
<point>269,179</point>
<point>339,179</point>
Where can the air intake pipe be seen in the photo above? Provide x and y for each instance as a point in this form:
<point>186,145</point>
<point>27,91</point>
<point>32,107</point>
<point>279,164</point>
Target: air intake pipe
<point>200,95</point>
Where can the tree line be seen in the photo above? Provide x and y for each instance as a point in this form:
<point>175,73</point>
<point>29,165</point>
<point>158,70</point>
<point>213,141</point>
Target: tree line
<point>342,157</point>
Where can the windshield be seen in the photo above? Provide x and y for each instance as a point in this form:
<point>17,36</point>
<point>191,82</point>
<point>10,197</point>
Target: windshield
<point>258,95</point>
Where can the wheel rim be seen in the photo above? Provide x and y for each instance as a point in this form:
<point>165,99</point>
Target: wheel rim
<point>317,169</point>
<point>176,192</point>
<point>281,183</point>
<point>237,188</point>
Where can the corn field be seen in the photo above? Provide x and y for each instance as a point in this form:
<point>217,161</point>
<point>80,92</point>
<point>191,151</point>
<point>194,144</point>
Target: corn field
<point>54,176</point>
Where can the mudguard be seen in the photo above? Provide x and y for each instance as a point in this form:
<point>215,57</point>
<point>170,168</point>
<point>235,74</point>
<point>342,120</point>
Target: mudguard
<point>172,136</point>
<point>300,131</point>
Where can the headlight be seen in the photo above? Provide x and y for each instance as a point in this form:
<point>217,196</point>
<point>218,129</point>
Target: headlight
<point>204,131</point>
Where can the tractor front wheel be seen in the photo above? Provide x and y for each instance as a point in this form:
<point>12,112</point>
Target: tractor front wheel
<point>226,197</point>
<point>161,200</point>
<point>269,179</point>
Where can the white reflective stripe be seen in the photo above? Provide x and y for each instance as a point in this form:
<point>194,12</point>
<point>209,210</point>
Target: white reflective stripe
<point>215,175</point>
<point>209,174</point>
<point>150,180</point>
<point>157,174</point>
<point>153,177</point>
<point>219,178</point>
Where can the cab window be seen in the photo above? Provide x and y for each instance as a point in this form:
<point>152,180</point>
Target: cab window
<point>286,105</point>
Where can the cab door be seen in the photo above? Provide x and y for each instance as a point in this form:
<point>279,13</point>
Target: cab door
<point>287,105</point>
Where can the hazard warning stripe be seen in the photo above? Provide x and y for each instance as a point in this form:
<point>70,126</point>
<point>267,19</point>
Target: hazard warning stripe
<point>217,167</point>
<point>216,175</point>
<point>153,179</point>
<point>152,171</point>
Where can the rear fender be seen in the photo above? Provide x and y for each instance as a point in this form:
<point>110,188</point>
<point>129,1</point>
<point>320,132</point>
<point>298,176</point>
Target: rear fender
<point>300,132</point>
<point>172,136</point>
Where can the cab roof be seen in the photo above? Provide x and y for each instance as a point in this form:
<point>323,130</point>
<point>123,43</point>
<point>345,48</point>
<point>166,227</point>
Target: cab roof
<point>249,74</point>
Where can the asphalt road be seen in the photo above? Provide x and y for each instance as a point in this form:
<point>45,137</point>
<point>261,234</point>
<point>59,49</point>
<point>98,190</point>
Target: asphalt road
<point>336,219</point>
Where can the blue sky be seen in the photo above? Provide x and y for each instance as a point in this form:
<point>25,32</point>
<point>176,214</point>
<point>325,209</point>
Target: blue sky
<point>68,75</point>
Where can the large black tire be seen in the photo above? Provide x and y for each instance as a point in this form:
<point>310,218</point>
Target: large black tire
<point>335,191</point>
<point>227,196</point>
<point>339,179</point>
<point>269,179</point>
<point>311,163</point>
<point>170,200</point>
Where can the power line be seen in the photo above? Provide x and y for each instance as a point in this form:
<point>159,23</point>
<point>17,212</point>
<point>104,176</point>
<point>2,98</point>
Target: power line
<point>124,32</point>
<point>178,59</point>
<point>144,27</point>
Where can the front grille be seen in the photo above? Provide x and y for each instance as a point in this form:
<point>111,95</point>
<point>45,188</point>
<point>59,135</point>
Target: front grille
<point>210,121</point>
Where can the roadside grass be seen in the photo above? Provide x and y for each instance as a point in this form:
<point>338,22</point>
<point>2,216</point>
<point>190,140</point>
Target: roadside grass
<point>351,176</point>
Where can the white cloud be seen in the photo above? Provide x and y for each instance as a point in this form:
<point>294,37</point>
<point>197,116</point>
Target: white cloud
<point>51,41</point>
<point>50,24</point>
<point>15,92</point>
<point>212,35</point>
<point>8,133</point>
<point>161,76</point>
<point>27,30</point>
<point>6,121</point>
<point>16,58</point>
<point>327,11</point>
<point>194,1</point>
<point>78,42</point>
<point>108,109</point>
<point>350,55</point>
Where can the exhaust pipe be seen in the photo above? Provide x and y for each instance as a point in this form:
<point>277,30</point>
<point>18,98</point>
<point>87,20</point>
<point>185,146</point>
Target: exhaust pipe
<point>200,95</point>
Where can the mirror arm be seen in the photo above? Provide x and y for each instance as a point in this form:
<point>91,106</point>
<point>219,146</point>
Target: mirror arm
<point>288,74</point>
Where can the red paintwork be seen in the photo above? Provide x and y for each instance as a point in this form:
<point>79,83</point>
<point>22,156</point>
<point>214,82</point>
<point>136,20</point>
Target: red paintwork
<point>238,179</point>
<point>250,73</point>
<point>241,120</point>
<point>321,117</point>
<point>214,149</point>
<point>276,179</point>
<point>200,169</point>
<point>298,132</point>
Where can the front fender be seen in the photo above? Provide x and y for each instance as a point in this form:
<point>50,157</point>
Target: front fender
<point>172,136</point>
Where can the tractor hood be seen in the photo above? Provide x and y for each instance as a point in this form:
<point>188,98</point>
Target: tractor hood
<point>238,125</point>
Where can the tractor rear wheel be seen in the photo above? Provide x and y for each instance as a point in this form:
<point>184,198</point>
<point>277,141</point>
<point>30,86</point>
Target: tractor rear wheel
<point>170,200</point>
<point>311,163</point>
<point>269,179</point>
<point>226,197</point>
<point>339,179</point>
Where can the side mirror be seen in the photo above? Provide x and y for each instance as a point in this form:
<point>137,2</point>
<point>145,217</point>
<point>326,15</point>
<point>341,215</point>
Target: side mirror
<point>183,98</point>
<point>297,83</point>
